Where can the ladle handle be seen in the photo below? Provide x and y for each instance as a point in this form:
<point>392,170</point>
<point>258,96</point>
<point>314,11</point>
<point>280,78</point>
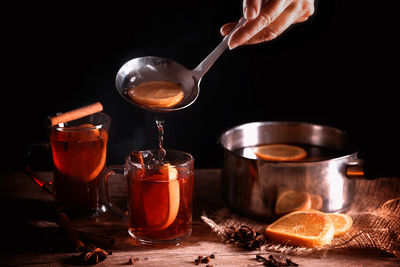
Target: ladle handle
<point>206,64</point>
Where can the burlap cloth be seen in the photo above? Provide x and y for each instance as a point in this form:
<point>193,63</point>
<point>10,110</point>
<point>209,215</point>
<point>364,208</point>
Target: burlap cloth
<point>375,213</point>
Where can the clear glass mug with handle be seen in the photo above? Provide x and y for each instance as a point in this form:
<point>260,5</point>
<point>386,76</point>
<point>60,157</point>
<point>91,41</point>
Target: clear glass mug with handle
<point>159,196</point>
<point>78,150</point>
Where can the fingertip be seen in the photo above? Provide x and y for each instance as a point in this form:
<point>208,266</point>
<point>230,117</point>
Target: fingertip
<point>232,44</point>
<point>236,39</point>
<point>249,13</point>
<point>227,28</point>
<point>232,47</point>
<point>221,31</point>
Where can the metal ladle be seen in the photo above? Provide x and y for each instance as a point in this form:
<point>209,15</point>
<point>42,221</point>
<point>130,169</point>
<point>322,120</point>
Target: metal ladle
<point>145,69</point>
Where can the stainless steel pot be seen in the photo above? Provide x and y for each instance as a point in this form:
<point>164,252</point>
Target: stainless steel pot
<point>251,186</point>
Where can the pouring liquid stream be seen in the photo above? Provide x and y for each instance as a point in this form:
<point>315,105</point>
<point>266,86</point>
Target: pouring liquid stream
<point>160,126</point>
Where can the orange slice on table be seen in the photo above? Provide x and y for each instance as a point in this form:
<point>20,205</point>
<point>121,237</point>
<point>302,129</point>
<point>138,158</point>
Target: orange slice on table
<point>280,152</point>
<point>308,228</point>
<point>161,199</point>
<point>157,94</point>
<point>291,200</point>
<point>341,222</point>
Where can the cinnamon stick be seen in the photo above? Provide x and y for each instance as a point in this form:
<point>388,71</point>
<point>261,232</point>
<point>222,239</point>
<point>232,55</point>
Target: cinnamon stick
<point>69,229</point>
<point>76,114</point>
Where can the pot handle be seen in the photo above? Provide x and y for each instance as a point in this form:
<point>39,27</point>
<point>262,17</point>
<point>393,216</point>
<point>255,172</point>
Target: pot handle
<point>363,169</point>
<point>355,169</point>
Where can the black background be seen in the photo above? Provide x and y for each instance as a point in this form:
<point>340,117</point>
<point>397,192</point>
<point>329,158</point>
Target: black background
<point>340,68</point>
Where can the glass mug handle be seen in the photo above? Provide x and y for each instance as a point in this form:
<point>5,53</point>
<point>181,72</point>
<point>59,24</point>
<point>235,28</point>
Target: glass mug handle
<point>38,157</point>
<point>107,173</point>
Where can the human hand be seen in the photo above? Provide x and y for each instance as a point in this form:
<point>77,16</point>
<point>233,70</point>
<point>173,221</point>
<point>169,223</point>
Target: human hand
<point>267,19</point>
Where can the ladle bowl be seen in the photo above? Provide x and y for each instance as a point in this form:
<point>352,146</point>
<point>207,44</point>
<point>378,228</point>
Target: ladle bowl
<point>150,68</point>
<point>145,69</point>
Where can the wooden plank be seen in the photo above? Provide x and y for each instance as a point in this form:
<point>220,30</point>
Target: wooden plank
<point>225,255</point>
<point>52,250</point>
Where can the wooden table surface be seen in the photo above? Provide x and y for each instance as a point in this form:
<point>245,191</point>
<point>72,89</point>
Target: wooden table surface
<point>32,238</point>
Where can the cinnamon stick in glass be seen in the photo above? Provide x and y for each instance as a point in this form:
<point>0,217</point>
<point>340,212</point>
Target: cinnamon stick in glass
<point>76,114</point>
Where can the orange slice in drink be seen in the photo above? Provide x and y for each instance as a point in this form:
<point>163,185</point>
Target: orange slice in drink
<point>161,199</point>
<point>79,154</point>
<point>157,94</point>
<point>78,133</point>
<point>308,228</point>
<point>341,222</point>
<point>280,152</point>
<point>96,158</point>
<point>291,200</point>
<point>90,134</point>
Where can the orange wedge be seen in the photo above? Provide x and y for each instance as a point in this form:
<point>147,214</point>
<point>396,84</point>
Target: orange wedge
<point>316,202</point>
<point>157,94</point>
<point>280,152</point>
<point>341,222</point>
<point>161,199</point>
<point>308,228</point>
<point>291,200</point>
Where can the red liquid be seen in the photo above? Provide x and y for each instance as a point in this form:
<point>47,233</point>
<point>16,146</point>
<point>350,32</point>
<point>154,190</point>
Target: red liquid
<point>160,211</point>
<point>79,158</point>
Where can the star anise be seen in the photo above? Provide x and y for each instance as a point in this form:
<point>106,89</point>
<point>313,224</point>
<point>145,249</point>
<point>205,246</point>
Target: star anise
<point>95,255</point>
<point>247,236</point>
<point>91,255</point>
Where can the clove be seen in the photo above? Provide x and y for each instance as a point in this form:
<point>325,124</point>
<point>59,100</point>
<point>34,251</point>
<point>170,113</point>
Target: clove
<point>272,261</point>
<point>204,259</point>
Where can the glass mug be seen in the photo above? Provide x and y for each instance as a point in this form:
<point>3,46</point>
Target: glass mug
<point>79,149</point>
<point>159,196</point>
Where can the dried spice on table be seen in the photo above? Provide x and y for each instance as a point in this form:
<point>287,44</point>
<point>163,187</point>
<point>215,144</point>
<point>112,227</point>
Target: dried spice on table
<point>132,261</point>
<point>275,261</point>
<point>204,259</point>
<point>247,236</point>
<point>90,256</point>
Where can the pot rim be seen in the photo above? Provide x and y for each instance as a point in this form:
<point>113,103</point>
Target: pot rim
<point>348,152</point>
